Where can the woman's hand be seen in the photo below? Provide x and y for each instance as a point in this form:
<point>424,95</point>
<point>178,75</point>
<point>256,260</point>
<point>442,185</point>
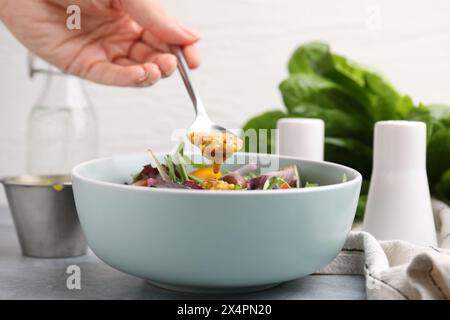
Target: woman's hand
<point>121,42</point>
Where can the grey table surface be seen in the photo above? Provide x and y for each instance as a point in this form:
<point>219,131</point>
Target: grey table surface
<point>30,278</point>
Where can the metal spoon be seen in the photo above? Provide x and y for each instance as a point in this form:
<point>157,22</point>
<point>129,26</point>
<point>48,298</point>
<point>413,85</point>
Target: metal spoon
<point>202,122</point>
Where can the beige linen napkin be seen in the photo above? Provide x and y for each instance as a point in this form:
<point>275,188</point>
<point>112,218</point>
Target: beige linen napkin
<point>397,269</point>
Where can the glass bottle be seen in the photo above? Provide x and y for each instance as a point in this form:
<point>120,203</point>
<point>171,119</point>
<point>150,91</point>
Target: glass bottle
<point>62,127</point>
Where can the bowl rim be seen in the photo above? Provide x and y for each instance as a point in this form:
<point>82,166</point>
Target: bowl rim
<point>33,180</point>
<point>77,175</point>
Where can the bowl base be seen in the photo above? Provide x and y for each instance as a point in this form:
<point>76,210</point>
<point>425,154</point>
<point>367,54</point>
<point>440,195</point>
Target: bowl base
<point>211,290</point>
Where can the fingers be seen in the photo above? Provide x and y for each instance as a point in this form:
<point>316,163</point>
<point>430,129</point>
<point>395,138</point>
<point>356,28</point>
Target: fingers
<point>166,62</point>
<point>154,18</point>
<point>124,72</point>
<point>125,62</point>
<point>191,31</point>
<point>140,52</point>
<point>149,60</point>
<point>191,53</point>
<point>192,56</point>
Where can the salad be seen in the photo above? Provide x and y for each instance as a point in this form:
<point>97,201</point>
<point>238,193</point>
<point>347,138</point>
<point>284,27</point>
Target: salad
<point>174,173</point>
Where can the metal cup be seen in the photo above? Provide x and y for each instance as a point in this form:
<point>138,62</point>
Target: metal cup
<point>45,216</point>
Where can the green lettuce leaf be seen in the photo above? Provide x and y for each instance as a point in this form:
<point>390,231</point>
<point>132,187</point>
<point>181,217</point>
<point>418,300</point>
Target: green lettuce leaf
<point>351,98</point>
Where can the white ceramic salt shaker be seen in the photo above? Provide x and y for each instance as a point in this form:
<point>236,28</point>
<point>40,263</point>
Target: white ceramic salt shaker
<point>399,204</point>
<point>301,137</point>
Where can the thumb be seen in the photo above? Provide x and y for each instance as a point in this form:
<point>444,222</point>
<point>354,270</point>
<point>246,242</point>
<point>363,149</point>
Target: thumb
<point>154,18</point>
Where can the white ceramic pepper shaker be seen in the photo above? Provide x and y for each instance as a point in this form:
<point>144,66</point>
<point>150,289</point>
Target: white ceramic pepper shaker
<point>399,204</point>
<point>301,137</point>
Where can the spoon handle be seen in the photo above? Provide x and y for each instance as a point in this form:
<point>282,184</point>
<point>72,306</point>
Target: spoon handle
<point>184,72</point>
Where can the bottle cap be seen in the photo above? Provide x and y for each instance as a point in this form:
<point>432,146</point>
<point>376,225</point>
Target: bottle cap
<point>301,137</point>
<point>400,145</point>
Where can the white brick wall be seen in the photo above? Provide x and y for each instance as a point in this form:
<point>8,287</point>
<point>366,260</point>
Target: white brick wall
<point>245,48</point>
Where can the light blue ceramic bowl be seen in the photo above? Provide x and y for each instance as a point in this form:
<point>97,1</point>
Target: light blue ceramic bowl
<point>215,240</point>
